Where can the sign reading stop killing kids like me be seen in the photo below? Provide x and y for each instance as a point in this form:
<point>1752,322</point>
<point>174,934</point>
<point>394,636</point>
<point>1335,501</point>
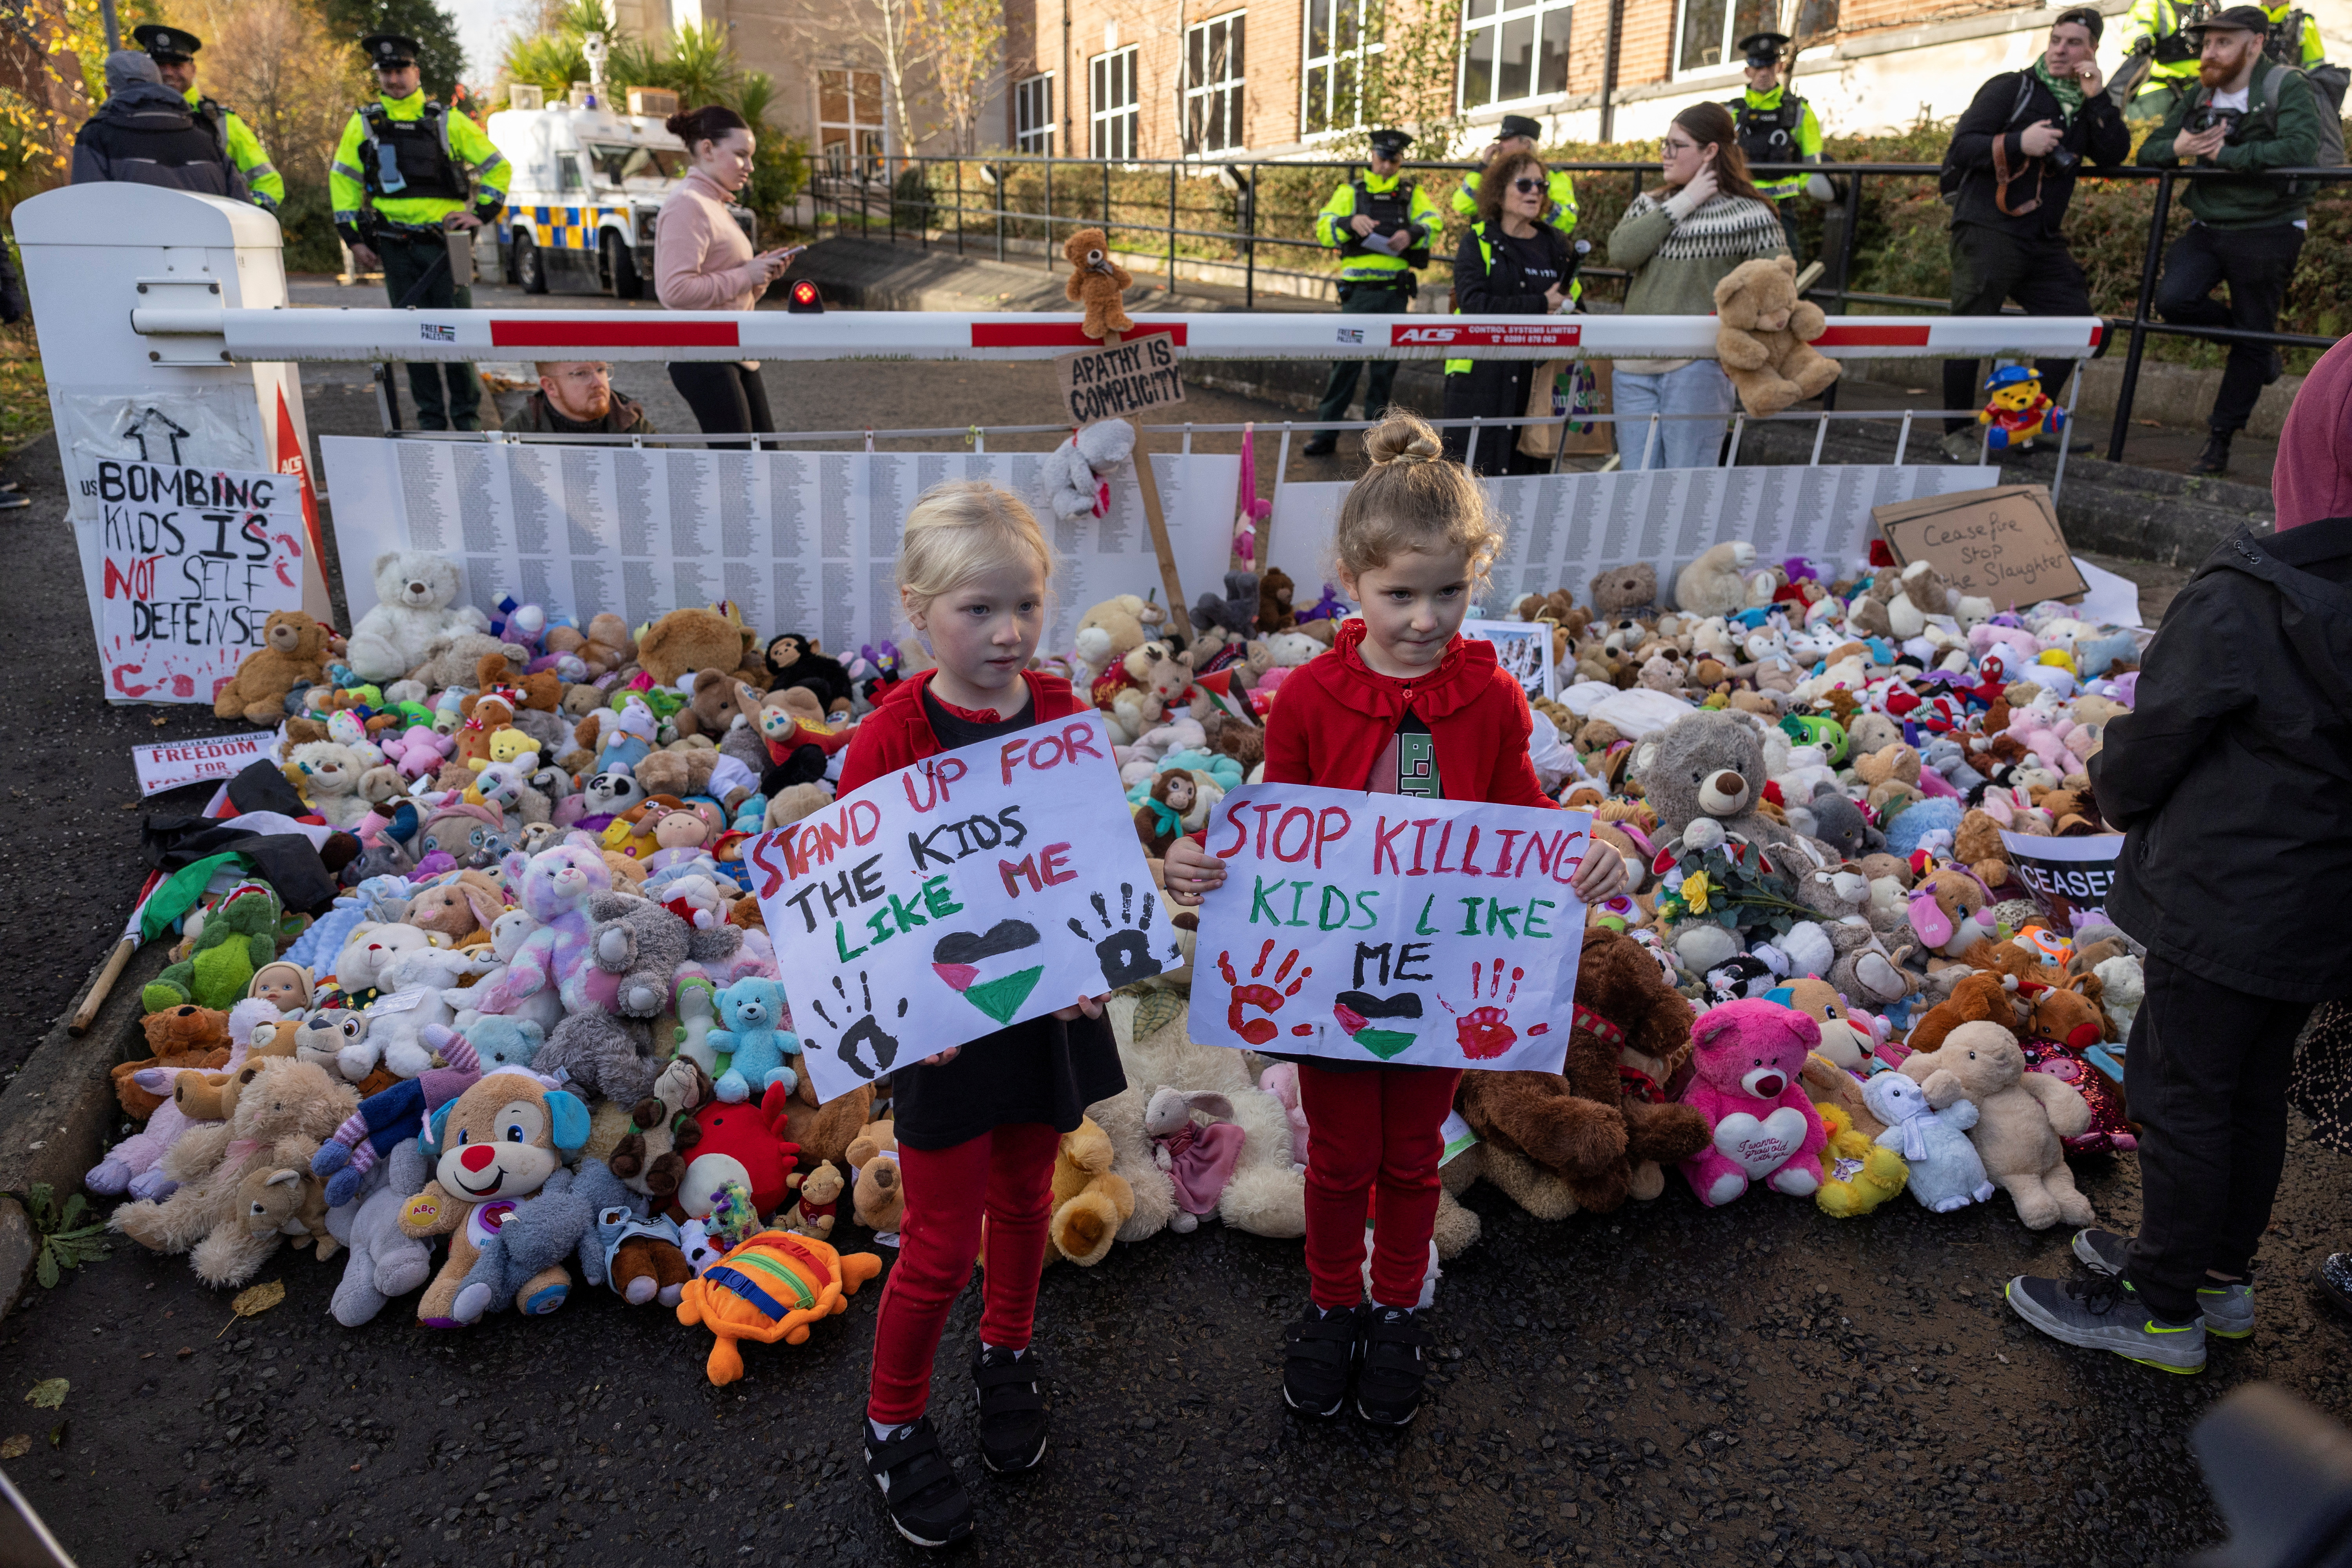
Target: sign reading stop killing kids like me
<point>1389,928</point>
<point>191,562</point>
<point>1120,378</point>
<point>974,890</point>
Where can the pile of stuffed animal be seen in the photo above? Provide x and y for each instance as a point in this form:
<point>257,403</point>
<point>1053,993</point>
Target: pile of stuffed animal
<point>544,1022</point>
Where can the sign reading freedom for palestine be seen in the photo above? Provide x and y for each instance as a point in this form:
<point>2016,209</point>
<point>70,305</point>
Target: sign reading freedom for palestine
<point>1390,928</point>
<point>974,890</point>
<point>1123,378</point>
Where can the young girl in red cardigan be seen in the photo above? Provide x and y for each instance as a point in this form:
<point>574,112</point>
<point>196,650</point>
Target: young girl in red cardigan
<point>978,1127</point>
<point>1401,705</point>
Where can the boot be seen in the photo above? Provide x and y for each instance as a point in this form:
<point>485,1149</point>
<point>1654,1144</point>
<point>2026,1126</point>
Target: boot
<point>2215,457</point>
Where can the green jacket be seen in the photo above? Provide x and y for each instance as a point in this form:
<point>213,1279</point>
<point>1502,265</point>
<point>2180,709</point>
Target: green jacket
<point>2286,138</point>
<point>470,153</point>
<point>244,150</point>
<point>1560,214</point>
<point>1332,229</point>
<point>1808,141</point>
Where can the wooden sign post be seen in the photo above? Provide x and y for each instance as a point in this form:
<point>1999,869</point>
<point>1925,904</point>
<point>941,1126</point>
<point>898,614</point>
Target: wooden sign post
<point>1129,378</point>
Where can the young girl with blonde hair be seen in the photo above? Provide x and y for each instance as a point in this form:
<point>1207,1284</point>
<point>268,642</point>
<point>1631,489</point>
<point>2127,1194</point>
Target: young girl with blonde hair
<point>978,1128</point>
<point>1403,704</point>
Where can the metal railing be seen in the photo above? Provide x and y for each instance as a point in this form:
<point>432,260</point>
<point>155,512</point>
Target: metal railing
<point>872,199</point>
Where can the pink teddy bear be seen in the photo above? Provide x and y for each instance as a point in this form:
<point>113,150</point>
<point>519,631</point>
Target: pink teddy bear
<point>1746,1056</point>
<point>419,750</point>
<point>1281,1080</point>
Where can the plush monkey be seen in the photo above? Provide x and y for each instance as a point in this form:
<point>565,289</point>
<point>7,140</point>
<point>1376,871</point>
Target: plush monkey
<point>1160,821</point>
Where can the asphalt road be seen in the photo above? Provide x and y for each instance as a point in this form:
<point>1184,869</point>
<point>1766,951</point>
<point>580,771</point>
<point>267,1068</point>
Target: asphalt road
<point>1754,1384</point>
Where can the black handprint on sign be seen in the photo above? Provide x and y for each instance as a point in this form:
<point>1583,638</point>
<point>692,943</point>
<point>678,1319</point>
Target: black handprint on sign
<point>1126,954</point>
<point>865,1034</point>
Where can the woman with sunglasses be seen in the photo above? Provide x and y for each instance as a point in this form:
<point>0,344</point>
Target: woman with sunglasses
<point>1511,262</point>
<point>1679,242</point>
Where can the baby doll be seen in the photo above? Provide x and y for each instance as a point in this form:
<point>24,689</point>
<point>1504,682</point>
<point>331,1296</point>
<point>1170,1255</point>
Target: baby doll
<point>285,986</point>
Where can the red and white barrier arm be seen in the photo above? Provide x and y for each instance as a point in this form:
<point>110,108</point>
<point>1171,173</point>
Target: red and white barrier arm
<point>369,334</point>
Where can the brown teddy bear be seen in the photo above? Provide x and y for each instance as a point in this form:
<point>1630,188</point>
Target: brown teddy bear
<point>1091,1201</point>
<point>1764,336</point>
<point>605,647</point>
<point>293,650</point>
<point>1982,997</point>
<point>1624,591</point>
<point>818,1201</point>
<point>825,1132</point>
<point>1097,282</point>
<point>687,640</point>
<point>181,1037</point>
<point>879,1195</point>
<point>1275,612</point>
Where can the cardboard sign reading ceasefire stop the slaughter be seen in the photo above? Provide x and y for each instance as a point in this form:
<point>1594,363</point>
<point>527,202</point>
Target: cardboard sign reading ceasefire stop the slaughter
<point>948,901</point>
<point>2003,542</point>
<point>1390,928</point>
<point>1121,378</point>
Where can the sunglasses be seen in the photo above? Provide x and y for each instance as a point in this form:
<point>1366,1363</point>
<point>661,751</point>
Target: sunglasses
<point>1523,186</point>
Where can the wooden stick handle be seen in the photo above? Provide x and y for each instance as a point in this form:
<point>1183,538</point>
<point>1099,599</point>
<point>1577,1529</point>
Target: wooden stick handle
<point>1149,482</point>
<point>103,984</point>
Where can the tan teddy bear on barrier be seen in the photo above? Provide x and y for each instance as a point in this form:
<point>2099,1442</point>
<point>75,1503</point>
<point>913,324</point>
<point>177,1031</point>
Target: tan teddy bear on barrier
<point>1764,337</point>
<point>1097,282</point>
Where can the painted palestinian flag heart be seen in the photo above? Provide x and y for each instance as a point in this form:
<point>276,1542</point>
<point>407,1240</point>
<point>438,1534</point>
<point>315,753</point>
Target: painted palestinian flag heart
<point>1357,1009</point>
<point>961,957</point>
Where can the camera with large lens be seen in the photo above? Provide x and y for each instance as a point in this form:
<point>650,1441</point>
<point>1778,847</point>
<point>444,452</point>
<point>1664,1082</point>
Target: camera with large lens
<point>2207,118</point>
<point>2062,156</point>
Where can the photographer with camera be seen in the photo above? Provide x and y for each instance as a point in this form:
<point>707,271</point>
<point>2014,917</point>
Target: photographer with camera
<point>2248,114</point>
<point>2009,175</point>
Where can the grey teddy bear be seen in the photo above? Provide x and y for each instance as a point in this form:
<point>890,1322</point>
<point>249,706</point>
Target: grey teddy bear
<point>384,1262</point>
<point>1839,823</point>
<point>1706,764</point>
<point>610,1056</point>
<point>1236,612</point>
<point>533,1237</point>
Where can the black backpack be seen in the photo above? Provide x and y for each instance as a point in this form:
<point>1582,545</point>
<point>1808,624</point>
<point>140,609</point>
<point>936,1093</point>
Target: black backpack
<point>1951,176</point>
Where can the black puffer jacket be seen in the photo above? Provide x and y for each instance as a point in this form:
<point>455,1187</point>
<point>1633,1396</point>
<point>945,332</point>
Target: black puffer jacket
<point>2000,111</point>
<point>144,134</point>
<point>2232,777</point>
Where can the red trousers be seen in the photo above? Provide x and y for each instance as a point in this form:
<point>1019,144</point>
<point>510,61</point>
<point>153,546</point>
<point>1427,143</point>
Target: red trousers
<point>1363,1128</point>
<point>1006,1174</point>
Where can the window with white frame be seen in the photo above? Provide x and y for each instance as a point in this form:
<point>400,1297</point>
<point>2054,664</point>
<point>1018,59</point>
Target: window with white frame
<point>1111,100</point>
<point>1212,84</point>
<point>1710,29</point>
<point>849,121</point>
<point>1342,38</point>
<point>1515,50</point>
<point>1033,114</point>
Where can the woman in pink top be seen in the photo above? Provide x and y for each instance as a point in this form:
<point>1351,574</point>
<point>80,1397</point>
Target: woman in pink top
<point>703,262</point>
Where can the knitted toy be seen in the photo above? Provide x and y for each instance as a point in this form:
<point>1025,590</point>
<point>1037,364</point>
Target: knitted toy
<point>771,1287</point>
<point>399,1113</point>
<point>1746,1056</point>
<point>1944,1173</point>
<point>753,1011</point>
<point>1097,282</point>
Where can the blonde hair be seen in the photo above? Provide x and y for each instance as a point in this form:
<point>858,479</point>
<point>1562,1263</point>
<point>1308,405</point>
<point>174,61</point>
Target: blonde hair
<point>1411,499</point>
<point>960,530</point>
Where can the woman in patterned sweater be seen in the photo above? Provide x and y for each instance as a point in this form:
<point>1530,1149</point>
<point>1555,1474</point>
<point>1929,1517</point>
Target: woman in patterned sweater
<point>1679,242</point>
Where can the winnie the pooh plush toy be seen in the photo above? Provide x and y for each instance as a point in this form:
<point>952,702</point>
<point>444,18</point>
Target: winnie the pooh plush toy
<point>293,651</point>
<point>1097,282</point>
<point>1764,337</point>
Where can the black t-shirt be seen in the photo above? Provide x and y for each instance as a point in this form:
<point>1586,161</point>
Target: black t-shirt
<point>1044,1070</point>
<point>1533,258</point>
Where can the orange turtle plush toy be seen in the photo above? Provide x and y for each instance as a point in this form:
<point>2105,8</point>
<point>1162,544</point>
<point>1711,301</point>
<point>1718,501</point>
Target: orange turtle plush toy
<point>1097,282</point>
<point>771,1286</point>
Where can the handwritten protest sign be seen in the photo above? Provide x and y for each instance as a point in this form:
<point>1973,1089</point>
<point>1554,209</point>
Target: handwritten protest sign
<point>192,563</point>
<point>2068,877</point>
<point>1389,928</point>
<point>2003,542</point>
<point>1121,378</point>
<point>977,889</point>
<point>187,762</point>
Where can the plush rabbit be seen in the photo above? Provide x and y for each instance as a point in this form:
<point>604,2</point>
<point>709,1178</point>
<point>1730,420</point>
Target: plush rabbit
<point>1198,1158</point>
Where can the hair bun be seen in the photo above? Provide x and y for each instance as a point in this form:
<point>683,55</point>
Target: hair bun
<point>1402,439</point>
<point>678,124</point>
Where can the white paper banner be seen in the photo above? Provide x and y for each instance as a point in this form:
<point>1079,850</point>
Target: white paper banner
<point>799,542</point>
<point>977,889</point>
<point>1388,927</point>
<point>187,762</point>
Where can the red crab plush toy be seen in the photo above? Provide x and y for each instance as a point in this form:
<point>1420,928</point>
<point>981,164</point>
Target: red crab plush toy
<point>743,1144</point>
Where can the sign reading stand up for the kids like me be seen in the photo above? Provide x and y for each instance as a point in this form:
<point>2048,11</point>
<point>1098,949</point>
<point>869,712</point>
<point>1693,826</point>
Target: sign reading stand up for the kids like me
<point>1390,928</point>
<point>975,889</point>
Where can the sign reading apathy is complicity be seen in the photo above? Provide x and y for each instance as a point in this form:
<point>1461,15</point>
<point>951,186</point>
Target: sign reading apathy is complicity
<point>974,890</point>
<point>1390,928</point>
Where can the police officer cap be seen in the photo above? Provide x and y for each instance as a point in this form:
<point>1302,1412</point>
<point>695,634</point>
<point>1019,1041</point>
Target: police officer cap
<point>1390,143</point>
<point>2236,19</point>
<point>167,44</point>
<point>1763,48</point>
<point>1519,125</point>
<point>389,49</point>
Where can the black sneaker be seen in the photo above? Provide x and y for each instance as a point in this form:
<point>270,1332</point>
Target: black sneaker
<point>2228,1310</point>
<point>920,1489</point>
<point>1012,1409</point>
<point>1395,1365</point>
<point>2106,1314</point>
<point>1321,446</point>
<point>1320,1353</point>
<point>2333,1276</point>
<point>2215,457</point>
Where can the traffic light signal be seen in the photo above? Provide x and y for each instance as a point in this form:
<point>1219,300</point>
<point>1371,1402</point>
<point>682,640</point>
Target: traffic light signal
<point>804,300</point>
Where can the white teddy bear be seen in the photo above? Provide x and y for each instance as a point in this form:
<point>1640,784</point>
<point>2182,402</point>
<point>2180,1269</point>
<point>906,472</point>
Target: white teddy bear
<point>416,595</point>
<point>330,781</point>
<point>420,987</point>
<point>1076,469</point>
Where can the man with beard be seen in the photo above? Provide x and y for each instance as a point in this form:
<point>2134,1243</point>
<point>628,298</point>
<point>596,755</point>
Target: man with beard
<point>2246,114</point>
<point>575,397</point>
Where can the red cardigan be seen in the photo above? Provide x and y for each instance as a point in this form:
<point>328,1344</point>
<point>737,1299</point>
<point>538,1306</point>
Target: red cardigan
<point>1334,715</point>
<point>898,732</point>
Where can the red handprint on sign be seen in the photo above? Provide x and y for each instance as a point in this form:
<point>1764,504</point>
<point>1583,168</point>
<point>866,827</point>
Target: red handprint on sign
<point>1265,997</point>
<point>1484,1032</point>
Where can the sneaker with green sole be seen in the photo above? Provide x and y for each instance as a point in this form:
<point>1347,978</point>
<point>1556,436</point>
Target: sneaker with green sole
<point>2106,1314</point>
<point>2229,1309</point>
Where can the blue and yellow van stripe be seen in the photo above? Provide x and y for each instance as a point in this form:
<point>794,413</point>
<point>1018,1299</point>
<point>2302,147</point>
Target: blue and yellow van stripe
<point>563,228</point>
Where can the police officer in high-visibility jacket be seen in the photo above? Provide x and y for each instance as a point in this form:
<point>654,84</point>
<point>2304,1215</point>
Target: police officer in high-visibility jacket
<point>1776,126</point>
<point>173,50</point>
<point>2162,29</point>
<point>1518,133</point>
<point>1382,222</point>
<point>399,188</point>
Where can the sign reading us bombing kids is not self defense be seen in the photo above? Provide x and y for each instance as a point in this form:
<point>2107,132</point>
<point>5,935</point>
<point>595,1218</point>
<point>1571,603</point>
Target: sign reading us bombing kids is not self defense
<point>1390,928</point>
<point>977,888</point>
